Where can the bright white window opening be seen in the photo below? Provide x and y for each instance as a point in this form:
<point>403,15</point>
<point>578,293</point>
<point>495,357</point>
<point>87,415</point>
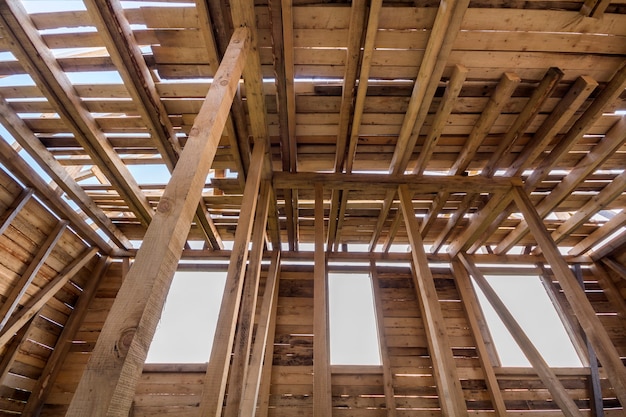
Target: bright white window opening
<point>527,300</point>
<point>353,331</point>
<point>187,326</point>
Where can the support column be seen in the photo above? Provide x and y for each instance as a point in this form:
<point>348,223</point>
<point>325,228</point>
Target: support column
<point>322,396</point>
<point>444,369</point>
<point>590,323</point>
<point>108,384</point>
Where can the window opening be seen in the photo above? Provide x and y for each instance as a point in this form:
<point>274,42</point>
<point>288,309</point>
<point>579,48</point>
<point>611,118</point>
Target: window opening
<point>353,331</point>
<point>527,300</point>
<point>189,318</point>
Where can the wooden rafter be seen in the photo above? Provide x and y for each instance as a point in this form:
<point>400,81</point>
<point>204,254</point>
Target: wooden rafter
<point>38,60</point>
<point>611,142</point>
<point>111,23</point>
<point>27,175</point>
<point>591,325</point>
<point>26,138</point>
<point>132,329</point>
<point>14,209</point>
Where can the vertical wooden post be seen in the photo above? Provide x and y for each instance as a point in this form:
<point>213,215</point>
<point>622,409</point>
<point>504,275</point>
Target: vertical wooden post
<point>322,396</point>
<point>545,373</point>
<point>214,389</point>
<point>108,384</point>
<point>249,398</point>
<point>245,322</point>
<point>444,369</point>
<point>590,323</point>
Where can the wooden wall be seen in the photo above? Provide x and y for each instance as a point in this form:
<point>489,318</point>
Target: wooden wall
<point>166,390</point>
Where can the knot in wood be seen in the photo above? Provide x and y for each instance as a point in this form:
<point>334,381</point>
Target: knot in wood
<point>123,343</point>
<point>165,205</point>
<point>224,83</point>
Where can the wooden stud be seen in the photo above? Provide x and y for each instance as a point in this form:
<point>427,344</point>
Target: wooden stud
<point>473,312</point>
<point>390,399</point>
<point>30,309</point>
<point>118,357</point>
<point>252,386</point>
<point>217,371</point>
<point>322,405</point>
<point>245,319</point>
<point>577,299</point>
<point>444,369</point>
<point>545,373</point>
<point>19,288</point>
<point>45,383</point>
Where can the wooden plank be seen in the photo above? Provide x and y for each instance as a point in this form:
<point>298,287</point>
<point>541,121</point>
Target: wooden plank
<point>245,319</point>
<point>444,368</point>
<point>473,311</point>
<point>219,362</point>
<point>123,344</point>
<point>44,295</point>
<point>50,372</point>
<point>390,400</point>
<point>42,66</point>
<point>545,373</point>
<point>322,405</point>
<point>19,288</point>
<point>578,301</point>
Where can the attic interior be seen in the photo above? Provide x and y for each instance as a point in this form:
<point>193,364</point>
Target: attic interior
<point>438,148</point>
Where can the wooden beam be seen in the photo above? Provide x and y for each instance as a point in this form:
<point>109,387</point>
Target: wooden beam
<point>45,383</point>
<point>444,369</point>
<point>247,310</point>
<point>29,177</point>
<point>19,288</point>
<point>540,94</point>
<point>504,90</point>
<point>219,362</point>
<point>610,289</point>
<point>611,142</point>
<point>14,209</point>
<point>442,36</point>
<point>615,266</point>
<point>39,61</point>
<point>11,350</point>
<point>390,399</point>
<point>116,362</point>
<point>112,25</point>
<point>33,305</point>
<point>322,397</point>
<point>383,182</point>
<point>455,84</point>
<point>552,125</point>
<point>599,235</point>
<point>545,373</point>
<point>46,160</point>
<point>473,312</point>
<point>250,395</point>
<point>591,325</point>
